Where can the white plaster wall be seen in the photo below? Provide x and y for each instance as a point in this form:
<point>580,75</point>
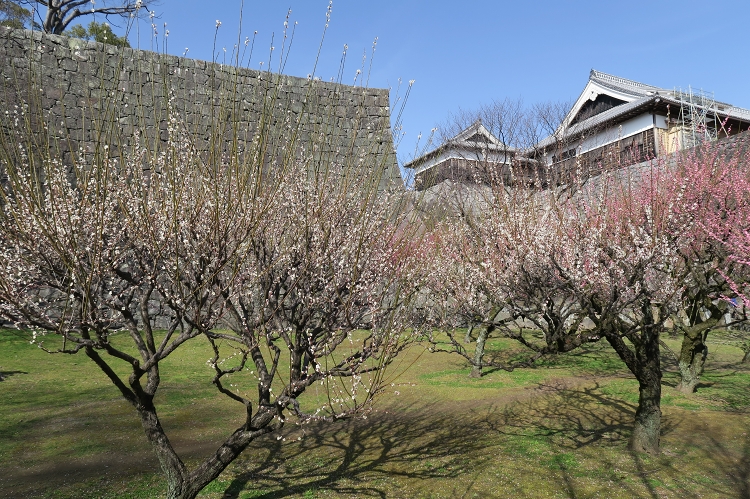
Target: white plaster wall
<point>627,128</point>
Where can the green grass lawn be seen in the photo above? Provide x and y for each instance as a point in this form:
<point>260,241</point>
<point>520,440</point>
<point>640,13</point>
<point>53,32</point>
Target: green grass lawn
<point>558,430</point>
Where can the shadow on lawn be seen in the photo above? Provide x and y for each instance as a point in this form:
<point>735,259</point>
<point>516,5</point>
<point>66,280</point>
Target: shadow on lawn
<point>724,470</point>
<point>358,456</point>
<point>553,425</point>
<point>6,374</point>
<point>735,466</point>
<point>572,418</point>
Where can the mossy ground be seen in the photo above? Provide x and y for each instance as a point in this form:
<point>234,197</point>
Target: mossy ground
<point>558,430</point>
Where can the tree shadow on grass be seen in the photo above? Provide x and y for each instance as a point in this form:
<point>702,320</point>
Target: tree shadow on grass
<point>571,419</point>
<point>736,468</point>
<point>359,457</point>
<point>7,374</point>
<point>571,416</point>
<point>447,446</point>
<point>724,467</point>
<point>590,360</point>
<point>584,431</point>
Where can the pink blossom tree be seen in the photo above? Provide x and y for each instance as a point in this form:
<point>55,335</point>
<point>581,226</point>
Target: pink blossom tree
<point>706,189</point>
<point>613,258</point>
<point>738,247</point>
<point>597,265</point>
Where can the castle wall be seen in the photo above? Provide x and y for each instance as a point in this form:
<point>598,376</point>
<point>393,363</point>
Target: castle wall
<point>90,92</point>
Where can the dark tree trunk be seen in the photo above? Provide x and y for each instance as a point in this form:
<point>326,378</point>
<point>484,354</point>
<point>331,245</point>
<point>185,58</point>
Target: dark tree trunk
<point>694,350</point>
<point>171,464</point>
<point>692,357</point>
<point>184,484</point>
<point>644,362</point>
<point>647,429</point>
<point>476,370</point>
<point>467,338</point>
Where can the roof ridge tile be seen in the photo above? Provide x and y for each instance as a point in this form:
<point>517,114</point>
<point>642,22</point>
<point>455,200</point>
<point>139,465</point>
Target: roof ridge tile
<point>613,79</point>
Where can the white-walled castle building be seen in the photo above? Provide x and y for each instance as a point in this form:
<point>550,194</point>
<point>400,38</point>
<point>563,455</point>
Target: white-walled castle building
<point>614,122</point>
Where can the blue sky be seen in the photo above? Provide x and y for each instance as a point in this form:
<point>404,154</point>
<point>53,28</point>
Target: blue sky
<point>464,54</point>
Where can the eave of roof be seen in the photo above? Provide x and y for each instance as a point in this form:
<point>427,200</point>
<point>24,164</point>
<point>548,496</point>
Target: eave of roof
<point>493,144</point>
<point>621,111</point>
<point>625,111</point>
<point>471,146</point>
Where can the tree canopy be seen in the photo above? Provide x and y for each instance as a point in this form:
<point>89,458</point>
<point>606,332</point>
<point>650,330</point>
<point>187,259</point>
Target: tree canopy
<point>99,32</point>
<point>13,15</point>
<point>59,14</point>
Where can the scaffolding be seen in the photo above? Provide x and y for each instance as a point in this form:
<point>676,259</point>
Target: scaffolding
<point>698,116</point>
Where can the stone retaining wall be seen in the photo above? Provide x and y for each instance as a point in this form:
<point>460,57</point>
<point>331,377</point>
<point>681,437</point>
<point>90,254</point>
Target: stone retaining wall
<point>91,92</point>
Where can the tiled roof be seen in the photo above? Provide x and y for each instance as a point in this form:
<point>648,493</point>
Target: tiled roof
<point>623,84</point>
<point>598,119</point>
<point>465,139</point>
<point>644,94</point>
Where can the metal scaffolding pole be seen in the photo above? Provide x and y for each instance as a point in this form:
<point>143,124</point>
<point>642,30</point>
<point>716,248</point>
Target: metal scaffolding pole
<point>698,115</point>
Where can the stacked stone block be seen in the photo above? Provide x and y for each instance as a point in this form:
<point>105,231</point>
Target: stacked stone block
<point>90,93</point>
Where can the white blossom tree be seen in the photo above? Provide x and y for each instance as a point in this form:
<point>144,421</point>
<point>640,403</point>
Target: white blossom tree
<point>287,270</point>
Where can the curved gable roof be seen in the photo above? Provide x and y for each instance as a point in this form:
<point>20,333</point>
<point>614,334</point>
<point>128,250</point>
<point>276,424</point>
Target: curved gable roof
<point>476,137</point>
<point>613,86</point>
